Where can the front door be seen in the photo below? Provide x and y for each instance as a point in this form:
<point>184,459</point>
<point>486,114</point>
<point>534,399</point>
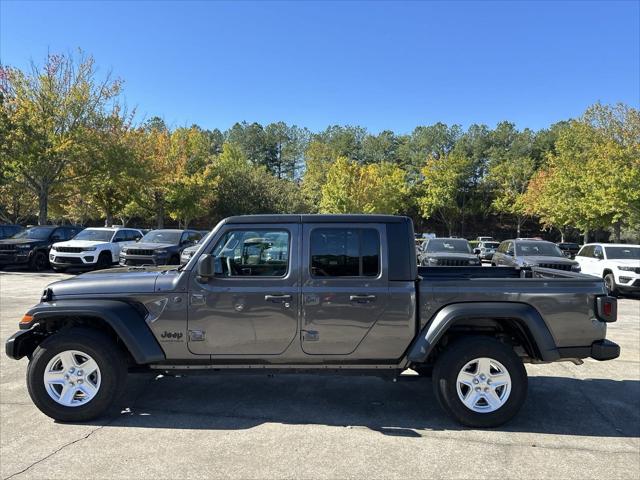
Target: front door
<point>251,308</point>
<point>345,288</point>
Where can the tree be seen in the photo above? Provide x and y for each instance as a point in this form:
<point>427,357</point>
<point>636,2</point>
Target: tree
<point>511,178</point>
<point>287,143</point>
<point>443,190</point>
<point>590,180</point>
<point>354,188</point>
<point>51,108</point>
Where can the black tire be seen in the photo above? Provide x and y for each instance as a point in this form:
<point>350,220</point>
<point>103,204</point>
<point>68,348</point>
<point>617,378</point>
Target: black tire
<point>452,361</point>
<point>111,362</point>
<point>104,261</point>
<point>38,262</point>
<point>610,283</point>
<point>59,269</point>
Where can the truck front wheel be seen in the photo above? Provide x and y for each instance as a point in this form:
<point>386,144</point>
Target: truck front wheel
<point>77,375</point>
<point>480,382</point>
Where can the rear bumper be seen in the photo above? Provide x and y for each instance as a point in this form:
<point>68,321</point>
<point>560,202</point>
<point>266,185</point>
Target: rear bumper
<point>599,350</point>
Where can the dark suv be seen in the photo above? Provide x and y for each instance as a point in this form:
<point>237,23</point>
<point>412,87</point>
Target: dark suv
<point>449,252</point>
<point>159,247</point>
<point>31,246</point>
<point>532,253</point>
<point>8,231</point>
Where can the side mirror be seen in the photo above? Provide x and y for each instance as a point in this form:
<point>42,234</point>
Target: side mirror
<point>476,251</point>
<point>209,266</point>
<point>510,253</point>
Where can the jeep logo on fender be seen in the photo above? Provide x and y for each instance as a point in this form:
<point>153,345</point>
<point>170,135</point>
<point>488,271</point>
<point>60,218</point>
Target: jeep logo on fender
<point>176,336</point>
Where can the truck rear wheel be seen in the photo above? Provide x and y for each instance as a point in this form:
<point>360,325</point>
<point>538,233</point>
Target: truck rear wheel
<point>480,382</point>
<point>77,375</point>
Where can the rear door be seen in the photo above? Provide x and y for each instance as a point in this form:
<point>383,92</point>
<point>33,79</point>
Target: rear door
<point>251,309</point>
<point>344,287</point>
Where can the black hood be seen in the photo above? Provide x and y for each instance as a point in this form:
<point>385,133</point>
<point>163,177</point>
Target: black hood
<point>23,241</point>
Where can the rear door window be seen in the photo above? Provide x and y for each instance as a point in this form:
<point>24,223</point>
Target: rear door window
<point>345,252</point>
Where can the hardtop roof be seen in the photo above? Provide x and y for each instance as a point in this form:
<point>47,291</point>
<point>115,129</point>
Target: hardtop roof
<point>318,218</point>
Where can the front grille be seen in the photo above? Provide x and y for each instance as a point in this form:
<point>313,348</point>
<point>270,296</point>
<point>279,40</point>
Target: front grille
<point>449,262</point>
<point>8,247</point>
<point>557,266</point>
<point>137,262</point>
<point>69,249</point>
<point>139,251</point>
<point>68,260</point>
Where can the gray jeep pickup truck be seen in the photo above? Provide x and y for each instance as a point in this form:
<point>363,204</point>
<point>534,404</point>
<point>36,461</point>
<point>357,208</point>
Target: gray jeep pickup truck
<point>312,293</point>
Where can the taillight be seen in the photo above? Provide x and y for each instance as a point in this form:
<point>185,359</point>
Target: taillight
<point>607,309</point>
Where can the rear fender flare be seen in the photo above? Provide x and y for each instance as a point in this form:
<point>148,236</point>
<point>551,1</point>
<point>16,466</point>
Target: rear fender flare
<point>522,313</point>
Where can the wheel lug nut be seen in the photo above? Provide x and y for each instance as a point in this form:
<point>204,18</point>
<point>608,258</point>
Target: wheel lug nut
<point>486,389</point>
<point>475,380</point>
<point>477,389</point>
<point>79,373</point>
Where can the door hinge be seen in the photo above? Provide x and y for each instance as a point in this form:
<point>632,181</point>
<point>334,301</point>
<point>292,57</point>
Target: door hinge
<point>196,336</point>
<point>197,299</point>
<point>310,335</point>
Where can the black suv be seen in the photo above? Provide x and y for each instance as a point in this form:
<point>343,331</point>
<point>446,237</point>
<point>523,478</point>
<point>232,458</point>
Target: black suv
<point>8,231</point>
<point>447,252</point>
<point>569,249</point>
<point>159,247</point>
<point>31,247</point>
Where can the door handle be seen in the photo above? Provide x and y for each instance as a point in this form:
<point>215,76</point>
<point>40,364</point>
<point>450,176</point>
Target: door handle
<point>277,298</point>
<point>362,298</point>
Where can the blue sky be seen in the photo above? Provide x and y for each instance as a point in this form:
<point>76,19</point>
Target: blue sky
<point>376,64</point>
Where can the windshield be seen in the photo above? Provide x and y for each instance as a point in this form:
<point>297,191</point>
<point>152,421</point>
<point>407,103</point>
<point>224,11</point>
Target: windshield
<point>546,249</point>
<point>94,235</point>
<point>623,253</point>
<point>490,244</point>
<point>448,245</point>
<point>162,236</point>
<point>37,233</point>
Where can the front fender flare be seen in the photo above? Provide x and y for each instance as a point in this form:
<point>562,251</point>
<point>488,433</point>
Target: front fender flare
<point>127,322</point>
<point>523,313</point>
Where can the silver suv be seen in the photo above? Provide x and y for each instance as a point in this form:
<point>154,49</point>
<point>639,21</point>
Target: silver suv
<point>532,253</point>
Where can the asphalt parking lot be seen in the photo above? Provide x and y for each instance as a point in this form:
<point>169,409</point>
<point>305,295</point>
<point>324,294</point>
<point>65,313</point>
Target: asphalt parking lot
<point>578,422</point>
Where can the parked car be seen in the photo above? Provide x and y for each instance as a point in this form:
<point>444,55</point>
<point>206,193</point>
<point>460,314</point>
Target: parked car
<point>283,293</point>
<point>618,264</point>
<point>188,252</point>
<point>31,246</point>
<point>532,253</point>
<point>8,230</point>
<point>92,248</point>
<point>569,249</point>
<point>485,250</point>
<point>484,239</point>
<point>450,252</point>
<point>159,247</point>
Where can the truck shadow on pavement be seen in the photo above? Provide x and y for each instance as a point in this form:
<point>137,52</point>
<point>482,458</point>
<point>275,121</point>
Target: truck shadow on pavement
<point>555,405</point>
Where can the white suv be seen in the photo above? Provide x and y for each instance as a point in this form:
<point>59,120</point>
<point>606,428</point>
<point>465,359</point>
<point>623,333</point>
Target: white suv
<point>618,264</point>
<point>92,248</point>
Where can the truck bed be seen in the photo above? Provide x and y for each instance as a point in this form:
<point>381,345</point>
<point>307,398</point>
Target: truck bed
<point>559,296</point>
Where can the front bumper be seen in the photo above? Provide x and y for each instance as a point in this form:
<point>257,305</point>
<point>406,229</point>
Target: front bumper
<point>627,281</point>
<point>140,260</point>
<point>599,350</point>
<point>61,259</point>
<point>14,257</point>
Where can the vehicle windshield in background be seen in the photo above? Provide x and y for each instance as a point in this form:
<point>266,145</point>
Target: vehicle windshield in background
<point>37,233</point>
<point>490,244</point>
<point>623,253</point>
<point>569,245</point>
<point>162,236</point>
<point>94,235</point>
<point>531,249</point>
<point>448,246</point>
